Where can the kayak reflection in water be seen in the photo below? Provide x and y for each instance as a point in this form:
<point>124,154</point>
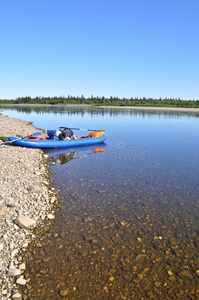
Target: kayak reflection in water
<point>63,158</point>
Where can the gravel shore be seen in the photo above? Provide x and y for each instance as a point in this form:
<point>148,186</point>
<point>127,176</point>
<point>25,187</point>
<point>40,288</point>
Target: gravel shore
<point>26,200</point>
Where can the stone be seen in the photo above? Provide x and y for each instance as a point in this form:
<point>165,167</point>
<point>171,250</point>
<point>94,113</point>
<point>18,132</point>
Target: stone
<point>170,273</point>
<point>134,268</point>
<point>3,211</point>
<point>186,275</point>
<point>88,238</point>
<point>21,281</point>
<point>53,199</point>
<point>50,217</point>
<point>17,296</point>
<point>32,189</point>
<point>197,272</point>
<point>1,246</point>
<point>159,259</point>
<point>141,256</point>
<point>63,293</point>
<point>4,292</point>
<point>25,222</point>
<point>22,266</point>
<point>111,278</point>
<point>14,252</point>
<point>14,272</point>
<point>140,276</point>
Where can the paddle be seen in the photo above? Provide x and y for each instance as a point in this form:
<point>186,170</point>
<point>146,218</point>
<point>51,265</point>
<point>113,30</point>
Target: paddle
<point>80,129</point>
<point>9,142</point>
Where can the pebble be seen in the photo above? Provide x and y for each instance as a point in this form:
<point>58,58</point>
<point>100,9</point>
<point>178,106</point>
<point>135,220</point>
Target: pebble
<point>17,296</point>
<point>3,211</point>
<point>170,273</point>
<point>111,278</point>
<point>25,201</point>
<point>25,222</point>
<point>105,288</point>
<point>50,216</point>
<point>186,275</point>
<point>63,293</point>
<point>14,272</point>
<point>22,266</point>
<point>21,281</point>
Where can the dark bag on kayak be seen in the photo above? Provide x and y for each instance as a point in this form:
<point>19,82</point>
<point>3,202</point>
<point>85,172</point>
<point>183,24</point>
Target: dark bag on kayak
<point>67,132</point>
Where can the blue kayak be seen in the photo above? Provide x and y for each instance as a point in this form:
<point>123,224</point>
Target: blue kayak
<point>45,143</point>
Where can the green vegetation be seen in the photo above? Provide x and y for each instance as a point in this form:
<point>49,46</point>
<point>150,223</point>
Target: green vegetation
<point>102,101</point>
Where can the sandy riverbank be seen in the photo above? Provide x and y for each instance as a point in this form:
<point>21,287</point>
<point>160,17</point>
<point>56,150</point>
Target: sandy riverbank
<point>26,200</point>
<point>180,109</point>
<point>177,109</point>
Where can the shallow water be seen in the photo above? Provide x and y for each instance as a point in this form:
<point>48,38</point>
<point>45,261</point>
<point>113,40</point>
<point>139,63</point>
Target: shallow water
<point>128,225</point>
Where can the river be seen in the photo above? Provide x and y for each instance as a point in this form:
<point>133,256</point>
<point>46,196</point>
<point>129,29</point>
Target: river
<point>128,226</point>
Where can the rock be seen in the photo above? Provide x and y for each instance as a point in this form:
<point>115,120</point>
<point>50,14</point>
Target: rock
<point>1,246</point>
<point>21,281</point>
<point>141,256</point>
<point>186,275</point>
<point>25,222</point>
<point>14,252</point>
<point>88,238</point>
<point>172,278</point>
<point>134,269</point>
<point>63,293</point>
<point>3,211</point>
<point>170,273</point>
<point>4,292</point>
<point>14,272</point>
<point>111,278</point>
<point>32,189</point>
<point>94,241</point>
<point>22,266</point>
<point>50,217</point>
<point>17,296</point>
<point>11,245</point>
<point>140,276</point>
<point>197,272</point>
<point>53,199</point>
<point>146,270</point>
<point>159,259</point>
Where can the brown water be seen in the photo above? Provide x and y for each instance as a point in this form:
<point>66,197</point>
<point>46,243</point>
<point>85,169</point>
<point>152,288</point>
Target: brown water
<point>128,227</point>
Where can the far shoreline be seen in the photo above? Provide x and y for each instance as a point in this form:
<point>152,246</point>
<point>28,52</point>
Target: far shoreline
<point>177,109</point>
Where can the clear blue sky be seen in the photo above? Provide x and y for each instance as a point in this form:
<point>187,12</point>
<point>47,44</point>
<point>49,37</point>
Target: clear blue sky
<point>123,48</point>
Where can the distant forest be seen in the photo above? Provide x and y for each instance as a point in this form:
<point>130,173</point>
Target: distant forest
<point>102,101</point>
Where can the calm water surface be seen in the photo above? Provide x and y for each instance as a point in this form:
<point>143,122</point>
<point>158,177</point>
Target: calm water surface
<point>128,226</point>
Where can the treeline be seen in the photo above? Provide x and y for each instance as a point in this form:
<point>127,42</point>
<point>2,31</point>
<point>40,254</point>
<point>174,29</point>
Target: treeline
<point>102,101</point>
